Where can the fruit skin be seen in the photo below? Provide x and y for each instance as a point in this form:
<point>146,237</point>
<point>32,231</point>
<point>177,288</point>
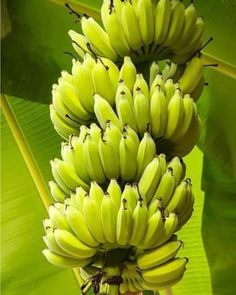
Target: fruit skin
<point>124,223</point>
<point>62,261</point>
<point>168,271</point>
<point>157,256</point>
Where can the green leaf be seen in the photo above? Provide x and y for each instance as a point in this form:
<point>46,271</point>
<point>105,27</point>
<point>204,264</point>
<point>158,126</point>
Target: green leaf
<point>24,268</point>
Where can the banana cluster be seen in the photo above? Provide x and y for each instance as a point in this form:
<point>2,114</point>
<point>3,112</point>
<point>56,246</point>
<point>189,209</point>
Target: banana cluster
<point>145,30</point>
<point>164,108</point>
<point>99,155</point>
<point>88,227</point>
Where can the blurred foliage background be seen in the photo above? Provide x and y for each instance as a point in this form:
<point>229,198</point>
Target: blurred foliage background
<point>34,37</point>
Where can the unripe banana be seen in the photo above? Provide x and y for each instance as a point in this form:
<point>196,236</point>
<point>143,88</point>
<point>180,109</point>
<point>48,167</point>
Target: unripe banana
<point>155,205</point>
<point>146,152</point>
<point>157,82</point>
<point>158,113</point>
<point>162,20</point>
<point>108,218</point>
<point>128,73</point>
<point>57,193</point>
<point>141,111</point>
<point>166,272</point>
<point>96,193</point>
<point>130,26</point>
<point>62,261</point>
<point>128,151</point>
<point>123,88</point>
<point>79,198</point>
<point>92,215</point>
<point>58,218</point>
<point>175,114</point>
<point>140,215</point>
<point>166,187</point>
<point>155,257</point>
<point>145,14</point>
<point>76,221</point>
<point>124,223</point>
<point>91,155</point>
<point>104,112</point>
<point>155,227</point>
<point>115,32</point>
<point>80,43</point>
<point>114,191</point>
<point>178,169</point>
<point>69,243</point>
<point>154,70</point>
<point>98,38</point>
<point>178,198</point>
<point>150,178</point>
<point>141,84</point>
<point>169,89</point>
<point>130,194</point>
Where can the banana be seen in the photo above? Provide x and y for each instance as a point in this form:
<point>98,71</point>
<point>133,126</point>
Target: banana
<point>58,179</point>
<point>61,126</point>
<point>79,43</point>
<point>155,227</point>
<point>130,194</point>
<point>91,155</point>
<point>146,18</point>
<point>150,178</point>
<point>128,151</point>
<point>73,101</point>
<point>104,112</point>
<point>153,206</point>
<point>121,89</point>
<point>166,187</point>
<point>62,261</point>
<point>192,75</point>
<point>68,175</point>
<point>77,223</point>
<point>166,272</point>
<point>83,84</point>
<point>175,114</point>
<point>79,198</point>
<point>178,199</point>
<point>51,243</point>
<point>197,91</point>
<point>130,26</point>
<point>115,32</point>
<point>96,193</point>
<point>108,218</point>
<point>128,73</point>
<point>102,82</point>
<point>88,63</point>
<point>155,257</point>
<point>58,218</point>
<point>92,216</point>
<point>158,113</point>
<point>142,84</point>
<point>141,111</point>
<point>176,23</point>
<point>170,227</point>
<point>77,145</point>
<point>169,89</point>
<point>158,81</point>
<point>140,215</point>
<point>196,42</point>
<point>146,152</point>
<point>154,70</point>
<point>188,28</point>
<point>69,243</point>
<point>124,223</point>
<point>109,155</point>
<point>162,20</point>
<point>186,142</point>
<point>56,192</point>
<point>98,38</point>
<point>124,110</point>
<point>114,191</point>
<point>113,72</point>
<point>178,169</point>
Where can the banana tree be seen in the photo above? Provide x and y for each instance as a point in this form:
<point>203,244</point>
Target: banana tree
<point>33,57</point>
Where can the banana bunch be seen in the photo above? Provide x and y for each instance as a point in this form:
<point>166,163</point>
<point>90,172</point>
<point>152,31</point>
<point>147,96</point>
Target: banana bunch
<point>99,155</point>
<point>143,215</point>
<point>145,30</point>
<point>73,95</point>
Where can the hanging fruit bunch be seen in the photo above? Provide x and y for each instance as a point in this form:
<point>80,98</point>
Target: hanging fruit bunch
<point>127,112</point>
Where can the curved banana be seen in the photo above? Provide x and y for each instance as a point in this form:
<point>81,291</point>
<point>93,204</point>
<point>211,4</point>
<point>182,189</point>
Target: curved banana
<point>155,257</point>
<point>178,169</point>
<point>128,73</point>
<point>57,193</point>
